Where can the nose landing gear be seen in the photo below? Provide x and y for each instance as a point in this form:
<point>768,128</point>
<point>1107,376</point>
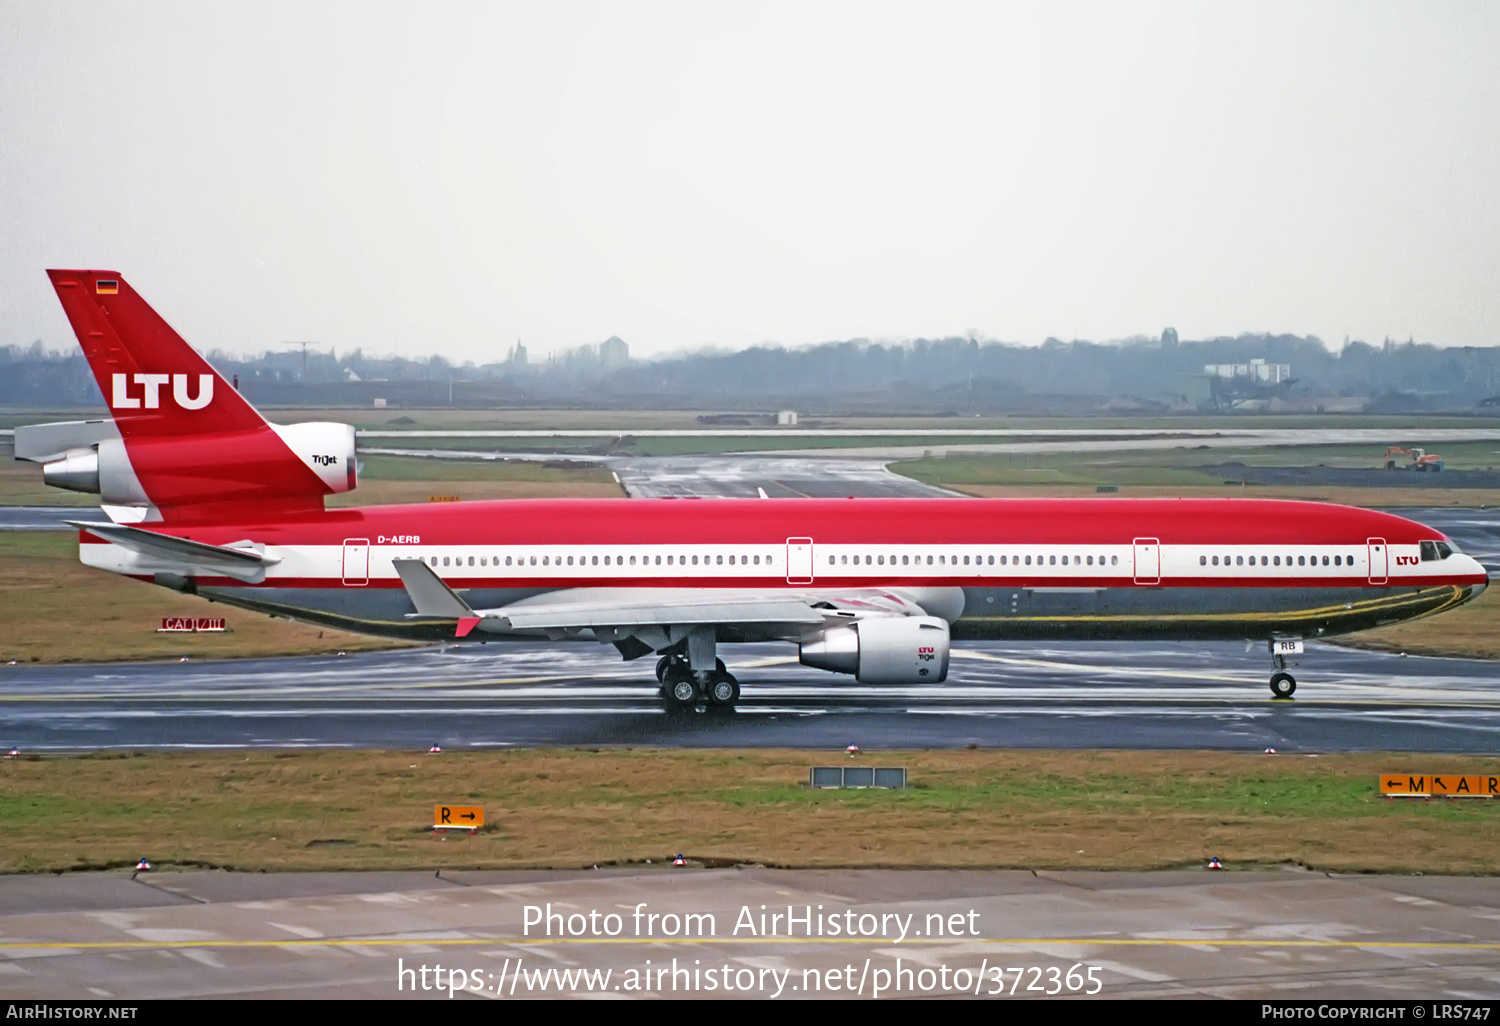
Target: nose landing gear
<point>1283,684</point>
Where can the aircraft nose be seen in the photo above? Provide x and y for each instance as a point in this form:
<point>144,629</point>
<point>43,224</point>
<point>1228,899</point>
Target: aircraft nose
<point>1477,568</point>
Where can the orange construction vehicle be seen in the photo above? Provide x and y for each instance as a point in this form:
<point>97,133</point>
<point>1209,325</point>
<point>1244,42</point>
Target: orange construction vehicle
<point>1414,459</point>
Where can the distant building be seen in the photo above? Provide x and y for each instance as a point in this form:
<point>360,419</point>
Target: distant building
<point>613,352</point>
<point>517,356</point>
<point>786,418</point>
<point>1256,370</point>
<point>1169,338</point>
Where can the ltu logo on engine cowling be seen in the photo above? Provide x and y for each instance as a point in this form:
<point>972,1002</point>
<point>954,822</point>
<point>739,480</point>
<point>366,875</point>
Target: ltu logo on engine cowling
<point>324,461</point>
<point>926,653</point>
<point>151,385</point>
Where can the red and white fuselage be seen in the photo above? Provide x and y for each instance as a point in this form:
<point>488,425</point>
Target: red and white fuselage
<point>206,497</point>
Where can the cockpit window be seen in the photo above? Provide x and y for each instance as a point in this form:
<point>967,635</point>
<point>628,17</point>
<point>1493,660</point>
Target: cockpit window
<point>1437,550</point>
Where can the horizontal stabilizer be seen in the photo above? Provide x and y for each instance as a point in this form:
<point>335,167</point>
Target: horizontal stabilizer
<point>43,443</point>
<point>240,560</point>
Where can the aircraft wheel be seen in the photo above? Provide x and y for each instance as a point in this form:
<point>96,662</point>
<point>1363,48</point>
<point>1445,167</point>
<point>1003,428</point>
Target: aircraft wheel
<point>1283,685</point>
<point>683,692</point>
<point>681,687</point>
<point>661,668</point>
<point>723,689</point>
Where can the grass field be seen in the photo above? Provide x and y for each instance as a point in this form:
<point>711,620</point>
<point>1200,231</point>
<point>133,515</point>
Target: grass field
<point>572,807</point>
<point>56,610</point>
<point>21,485</point>
<point>1179,472</point>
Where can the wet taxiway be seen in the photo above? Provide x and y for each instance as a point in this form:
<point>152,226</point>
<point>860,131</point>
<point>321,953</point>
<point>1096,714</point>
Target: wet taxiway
<point>44,518</point>
<point>1093,695</point>
<point>779,478</point>
<point>1286,935</point>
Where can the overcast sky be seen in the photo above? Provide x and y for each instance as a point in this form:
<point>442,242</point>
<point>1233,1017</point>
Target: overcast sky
<point>424,178</point>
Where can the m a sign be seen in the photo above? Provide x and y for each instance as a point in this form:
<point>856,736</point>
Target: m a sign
<point>1438,785</point>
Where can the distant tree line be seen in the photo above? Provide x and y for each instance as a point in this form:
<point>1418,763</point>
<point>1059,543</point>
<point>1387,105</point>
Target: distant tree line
<point>923,376</point>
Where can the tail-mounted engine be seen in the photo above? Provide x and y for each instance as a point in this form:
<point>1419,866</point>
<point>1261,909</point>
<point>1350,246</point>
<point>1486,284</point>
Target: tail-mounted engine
<point>269,463</point>
<point>883,650</point>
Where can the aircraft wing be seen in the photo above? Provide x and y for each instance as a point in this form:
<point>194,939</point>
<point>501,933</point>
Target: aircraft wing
<point>578,608</point>
<point>645,607</point>
<point>242,560</point>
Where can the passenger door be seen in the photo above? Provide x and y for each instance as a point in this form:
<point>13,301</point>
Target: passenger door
<point>356,561</point>
<point>799,561</point>
<point>1379,556</point>
<point>1147,561</point>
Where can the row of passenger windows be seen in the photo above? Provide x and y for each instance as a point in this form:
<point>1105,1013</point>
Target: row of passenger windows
<point>1275,561</point>
<point>869,560</point>
<point>594,561</point>
<point>756,560</point>
<point>880,560</point>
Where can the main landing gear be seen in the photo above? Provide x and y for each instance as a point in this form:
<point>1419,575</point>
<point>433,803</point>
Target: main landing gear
<point>685,689</point>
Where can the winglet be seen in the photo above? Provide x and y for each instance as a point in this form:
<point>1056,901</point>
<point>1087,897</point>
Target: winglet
<point>432,597</point>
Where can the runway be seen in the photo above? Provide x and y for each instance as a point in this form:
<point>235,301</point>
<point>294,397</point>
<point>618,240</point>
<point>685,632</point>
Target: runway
<point>998,695</point>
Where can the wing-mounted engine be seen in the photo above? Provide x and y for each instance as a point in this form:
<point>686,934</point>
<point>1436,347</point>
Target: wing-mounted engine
<point>883,650</point>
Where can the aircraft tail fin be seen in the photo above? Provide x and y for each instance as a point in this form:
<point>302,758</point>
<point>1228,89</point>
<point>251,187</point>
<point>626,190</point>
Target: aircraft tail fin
<point>154,383</point>
<point>183,444</point>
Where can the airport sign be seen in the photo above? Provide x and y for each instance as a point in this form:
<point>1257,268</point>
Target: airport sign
<point>1433,785</point>
<point>457,817</point>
